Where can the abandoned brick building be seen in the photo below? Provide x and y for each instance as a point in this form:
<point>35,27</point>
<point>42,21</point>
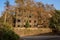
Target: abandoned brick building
<point>36,13</point>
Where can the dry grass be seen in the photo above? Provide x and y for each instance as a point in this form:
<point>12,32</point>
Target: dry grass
<point>31,31</point>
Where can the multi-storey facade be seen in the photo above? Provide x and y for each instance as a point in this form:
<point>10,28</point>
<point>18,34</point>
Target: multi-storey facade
<point>36,13</point>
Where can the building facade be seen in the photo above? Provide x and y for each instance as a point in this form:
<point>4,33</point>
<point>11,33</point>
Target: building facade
<point>35,13</point>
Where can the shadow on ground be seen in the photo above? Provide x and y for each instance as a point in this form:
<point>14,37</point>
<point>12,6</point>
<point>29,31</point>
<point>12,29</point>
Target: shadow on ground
<point>48,34</point>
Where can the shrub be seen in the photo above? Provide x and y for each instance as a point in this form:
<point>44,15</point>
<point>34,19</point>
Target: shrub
<point>27,24</point>
<point>55,21</point>
<point>7,34</point>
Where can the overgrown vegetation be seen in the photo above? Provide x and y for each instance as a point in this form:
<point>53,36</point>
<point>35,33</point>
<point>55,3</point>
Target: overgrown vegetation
<point>7,34</point>
<point>27,24</point>
<point>55,21</point>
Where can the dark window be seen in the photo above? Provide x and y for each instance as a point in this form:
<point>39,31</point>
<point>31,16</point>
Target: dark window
<point>18,20</point>
<point>30,25</point>
<point>13,25</point>
<point>19,10</point>
<point>7,20</point>
<point>18,25</point>
<point>30,16</point>
<point>44,26</point>
<point>30,21</point>
<point>14,20</point>
<point>24,26</point>
<point>35,21</point>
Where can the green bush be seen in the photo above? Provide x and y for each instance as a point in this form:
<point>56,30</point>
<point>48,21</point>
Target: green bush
<point>27,24</point>
<point>55,21</point>
<point>8,35</point>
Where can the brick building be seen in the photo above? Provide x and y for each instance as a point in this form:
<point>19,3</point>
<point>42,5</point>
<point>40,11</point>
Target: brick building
<point>36,13</point>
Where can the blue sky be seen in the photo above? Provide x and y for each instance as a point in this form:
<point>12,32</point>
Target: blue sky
<point>55,2</point>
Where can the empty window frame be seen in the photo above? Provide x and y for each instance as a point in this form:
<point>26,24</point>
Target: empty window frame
<point>18,25</point>
<point>19,20</point>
